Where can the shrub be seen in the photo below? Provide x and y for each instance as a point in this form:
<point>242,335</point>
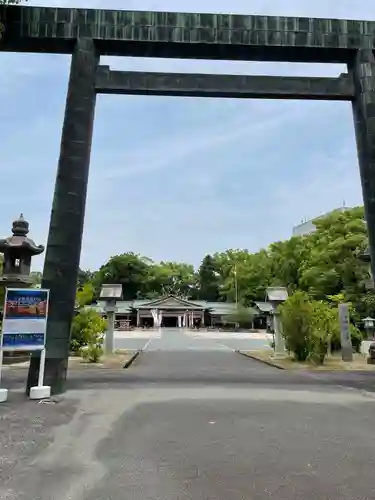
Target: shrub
<point>88,333</point>
<point>308,327</point>
<point>318,348</point>
<point>92,352</point>
<point>296,317</point>
<point>325,325</point>
<point>357,337</point>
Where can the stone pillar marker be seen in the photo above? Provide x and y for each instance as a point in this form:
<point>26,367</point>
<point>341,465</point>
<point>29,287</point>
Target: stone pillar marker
<point>362,69</point>
<point>67,216</point>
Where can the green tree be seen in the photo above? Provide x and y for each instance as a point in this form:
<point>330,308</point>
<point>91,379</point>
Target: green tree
<point>171,278</point>
<point>250,271</point>
<point>333,265</point>
<point>286,260</point>
<point>85,277</point>
<point>128,269</point>
<point>208,280</point>
<point>85,294</point>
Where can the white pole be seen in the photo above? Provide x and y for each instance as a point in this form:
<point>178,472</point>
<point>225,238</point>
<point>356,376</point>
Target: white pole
<point>1,363</point>
<point>3,392</point>
<point>236,283</point>
<point>110,335</point>
<point>2,345</point>
<point>41,368</point>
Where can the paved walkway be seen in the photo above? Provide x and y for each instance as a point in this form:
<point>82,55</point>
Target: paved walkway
<point>190,420</point>
<point>138,338</point>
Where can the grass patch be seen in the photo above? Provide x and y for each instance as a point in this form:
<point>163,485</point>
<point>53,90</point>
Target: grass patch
<point>332,363</point>
<point>115,361</point>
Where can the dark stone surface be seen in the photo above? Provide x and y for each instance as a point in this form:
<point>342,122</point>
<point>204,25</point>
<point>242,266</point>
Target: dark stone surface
<point>363,70</point>
<point>173,34</point>
<point>234,86</point>
<point>68,212</point>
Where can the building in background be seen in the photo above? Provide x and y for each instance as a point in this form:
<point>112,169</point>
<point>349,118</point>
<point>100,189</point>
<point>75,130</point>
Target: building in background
<point>178,312</point>
<point>308,226</point>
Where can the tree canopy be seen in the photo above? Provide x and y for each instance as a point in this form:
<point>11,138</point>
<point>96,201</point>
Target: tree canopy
<point>325,265</point>
<point>322,264</point>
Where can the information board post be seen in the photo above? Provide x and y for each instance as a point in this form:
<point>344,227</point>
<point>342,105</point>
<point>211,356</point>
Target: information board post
<point>3,391</point>
<point>24,329</point>
<point>41,391</point>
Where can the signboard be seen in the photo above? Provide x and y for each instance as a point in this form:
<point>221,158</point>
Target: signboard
<point>346,342</point>
<point>24,319</point>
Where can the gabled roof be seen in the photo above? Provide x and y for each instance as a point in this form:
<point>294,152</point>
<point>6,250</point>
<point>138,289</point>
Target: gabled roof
<point>264,306</point>
<point>123,307</point>
<point>170,302</point>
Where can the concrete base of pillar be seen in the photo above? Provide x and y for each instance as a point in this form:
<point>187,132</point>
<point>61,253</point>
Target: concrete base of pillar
<point>55,372</point>
<point>40,392</point>
<point>347,354</point>
<point>279,355</point>
<point>3,395</point>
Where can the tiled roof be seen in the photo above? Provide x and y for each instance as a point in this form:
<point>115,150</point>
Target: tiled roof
<point>264,306</point>
<point>216,308</point>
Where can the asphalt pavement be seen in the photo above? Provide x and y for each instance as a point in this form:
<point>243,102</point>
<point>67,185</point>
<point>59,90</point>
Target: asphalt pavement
<point>191,419</point>
<point>177,339</point>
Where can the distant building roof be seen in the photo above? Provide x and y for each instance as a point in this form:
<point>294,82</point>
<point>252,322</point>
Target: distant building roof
<point>171,302</point>
<point>307,227</point>
<point>277,294</point>
<point>111,292</point>
<point>265,307</point>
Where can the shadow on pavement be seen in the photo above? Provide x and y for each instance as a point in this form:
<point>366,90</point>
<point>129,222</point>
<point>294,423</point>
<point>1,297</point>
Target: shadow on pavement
<point>15,379</point>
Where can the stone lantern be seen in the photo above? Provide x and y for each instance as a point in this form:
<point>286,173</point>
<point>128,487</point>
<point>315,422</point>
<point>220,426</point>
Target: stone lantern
<point>369,326</point>
<point>18,251</point>
<point>276,296</point>
<point>110,294</point>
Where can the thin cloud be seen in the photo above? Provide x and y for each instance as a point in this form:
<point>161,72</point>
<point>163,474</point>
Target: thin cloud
<point>173,150</point>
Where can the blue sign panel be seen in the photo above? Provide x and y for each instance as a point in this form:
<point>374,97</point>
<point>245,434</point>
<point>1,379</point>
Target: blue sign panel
<point>25,319</point>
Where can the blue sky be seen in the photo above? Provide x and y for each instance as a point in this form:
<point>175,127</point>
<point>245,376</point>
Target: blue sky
<point>176,178</point>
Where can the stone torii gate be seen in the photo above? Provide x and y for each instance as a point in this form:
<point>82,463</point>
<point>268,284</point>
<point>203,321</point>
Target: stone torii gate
<point>88,34</point>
